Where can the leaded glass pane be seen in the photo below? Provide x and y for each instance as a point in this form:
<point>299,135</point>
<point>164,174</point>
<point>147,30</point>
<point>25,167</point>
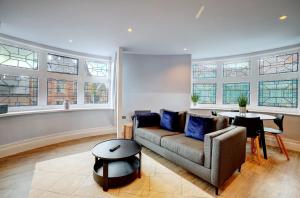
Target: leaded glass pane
<point>95,93</point>
<point>236,69</point>
<point>279,64</point>
<point>62,64</point>
<point>280,93</point>
<point>206,93</point>
<point>232,91</point>
<point>204,71</point>
<point>61,90</point>
<point>18,57</point>
<point>97,68</point>
<point>18,90</point>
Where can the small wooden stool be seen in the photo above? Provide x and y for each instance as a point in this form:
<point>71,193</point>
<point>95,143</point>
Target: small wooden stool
<point>128,131</point>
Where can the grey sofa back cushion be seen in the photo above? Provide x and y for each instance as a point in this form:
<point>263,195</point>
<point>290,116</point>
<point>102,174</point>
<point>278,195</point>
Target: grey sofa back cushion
<point>221,122</point>
<point>181,121</point>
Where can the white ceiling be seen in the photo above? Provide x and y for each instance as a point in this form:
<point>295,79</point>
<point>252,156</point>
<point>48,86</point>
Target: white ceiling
<point>159,26</point>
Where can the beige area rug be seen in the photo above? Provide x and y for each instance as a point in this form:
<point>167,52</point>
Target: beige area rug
<point>71,176</point>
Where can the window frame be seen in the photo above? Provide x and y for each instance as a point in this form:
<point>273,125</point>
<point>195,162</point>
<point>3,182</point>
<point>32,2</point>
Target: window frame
<point>253,78</point>
<point>63,56</point>
<point>23,48</point>
<point>36,89</point>
<point>43,74</point>
<point>297,93</point>
<point>215,92</point>
<point>107,90</point>
<point>73,81</point>
<point>277,55</point>
<point>235,64</point>
<point>204,65</point>
<point>88,72</point>
<point>248,95</point>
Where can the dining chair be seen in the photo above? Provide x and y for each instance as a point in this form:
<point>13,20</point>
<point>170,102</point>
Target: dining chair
<point>254,127</point>
<point>277,133</point>
<point>231,119</point>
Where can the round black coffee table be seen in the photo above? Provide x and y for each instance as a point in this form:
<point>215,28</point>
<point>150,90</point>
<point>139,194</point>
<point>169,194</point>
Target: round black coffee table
<point>117,167</point>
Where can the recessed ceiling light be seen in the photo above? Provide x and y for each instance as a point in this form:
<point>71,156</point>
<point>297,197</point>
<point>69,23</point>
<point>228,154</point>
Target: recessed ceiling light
<point>129,29</point>
<point>70,41</point>
<point>185,49</point>
<point>283,17</point>
<point>199,12</point>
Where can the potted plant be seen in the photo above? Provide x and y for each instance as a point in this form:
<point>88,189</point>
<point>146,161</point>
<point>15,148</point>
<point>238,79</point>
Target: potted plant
<point>195,99</point>
<point>242,100</point>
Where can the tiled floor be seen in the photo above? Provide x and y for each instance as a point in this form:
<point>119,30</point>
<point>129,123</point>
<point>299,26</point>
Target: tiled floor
<point>275,177</point>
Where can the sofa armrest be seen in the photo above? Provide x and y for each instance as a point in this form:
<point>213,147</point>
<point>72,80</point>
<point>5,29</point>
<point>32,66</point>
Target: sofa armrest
<point>228,154</point>
<point>208,139</point>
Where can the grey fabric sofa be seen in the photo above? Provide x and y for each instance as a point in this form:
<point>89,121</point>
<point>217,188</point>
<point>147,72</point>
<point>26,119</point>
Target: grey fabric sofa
<point>215,159</point>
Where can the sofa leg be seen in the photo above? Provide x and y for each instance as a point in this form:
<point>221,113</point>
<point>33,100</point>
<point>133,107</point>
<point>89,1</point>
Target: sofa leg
<point>217,190</point>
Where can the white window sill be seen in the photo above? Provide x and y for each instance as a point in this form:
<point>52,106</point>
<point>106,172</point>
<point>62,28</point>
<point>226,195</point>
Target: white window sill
<point>52,109</point>
<point>271,110</point>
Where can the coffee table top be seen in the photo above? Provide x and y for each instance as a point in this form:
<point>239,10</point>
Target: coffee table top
<point>128,148</point>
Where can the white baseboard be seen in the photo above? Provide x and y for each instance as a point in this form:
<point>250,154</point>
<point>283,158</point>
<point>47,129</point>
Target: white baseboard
<point>289,143</point>
<point>28,144</point>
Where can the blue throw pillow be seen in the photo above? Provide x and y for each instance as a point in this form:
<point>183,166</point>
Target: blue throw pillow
<point>169,120</point>
<point>148,119</point>
<point>197,127</point>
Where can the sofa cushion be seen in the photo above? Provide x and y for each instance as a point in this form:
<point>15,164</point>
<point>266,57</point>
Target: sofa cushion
<point>169,120</point>
<point>220,122</point>
<point>186,147</point>
<point>153,134</point>
<point>197,127</point>
<point>148,119</point>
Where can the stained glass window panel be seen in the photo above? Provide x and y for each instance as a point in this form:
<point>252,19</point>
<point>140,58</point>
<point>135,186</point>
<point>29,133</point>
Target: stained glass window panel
<point>236,69</point>
<point>62,64</point>
<point>232,91</point>
<point>95,93</point>
<point>206,93</point>
<point>97,68</point>
<point>204,71</point>
<point>18,90</point>
<point>18,57</point>
<point>279,64</point>
<point>280,93</point>
<point>61,90</point>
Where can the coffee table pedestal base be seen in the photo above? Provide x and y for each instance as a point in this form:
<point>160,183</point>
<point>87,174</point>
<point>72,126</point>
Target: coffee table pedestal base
<point>111,174</point>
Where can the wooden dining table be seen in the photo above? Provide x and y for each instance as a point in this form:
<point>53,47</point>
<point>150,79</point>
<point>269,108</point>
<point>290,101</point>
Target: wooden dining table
<point>262,116</point>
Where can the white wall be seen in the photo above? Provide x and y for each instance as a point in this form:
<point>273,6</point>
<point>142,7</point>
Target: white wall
<point>17,128</point>
<point>156,81</point>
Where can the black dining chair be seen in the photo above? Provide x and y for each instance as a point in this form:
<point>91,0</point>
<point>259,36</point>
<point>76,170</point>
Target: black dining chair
<point>254,128</point>
<point>277,133</point>
<point>231,119</point>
